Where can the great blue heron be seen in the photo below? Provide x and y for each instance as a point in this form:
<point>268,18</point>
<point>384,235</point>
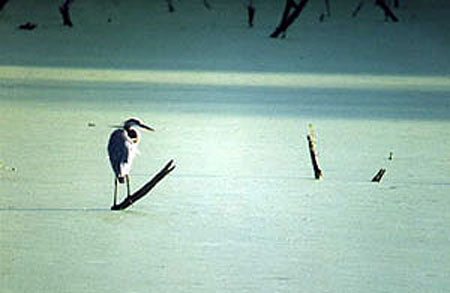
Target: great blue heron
<point>122,148</point>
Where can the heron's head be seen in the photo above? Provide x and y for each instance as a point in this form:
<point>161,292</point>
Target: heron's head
<point>136,122</point>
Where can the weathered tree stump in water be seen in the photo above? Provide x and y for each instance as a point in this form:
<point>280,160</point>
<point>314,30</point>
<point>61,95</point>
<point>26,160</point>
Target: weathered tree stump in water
<point>128,201</point>
<point>65,13</point>
<point>312,151</point>
<point>379,175</point>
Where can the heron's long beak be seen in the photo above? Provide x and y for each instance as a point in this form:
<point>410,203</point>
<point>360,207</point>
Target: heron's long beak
<point>146,127</point>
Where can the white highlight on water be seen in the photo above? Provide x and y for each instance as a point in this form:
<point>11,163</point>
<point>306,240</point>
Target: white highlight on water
<point>224,78</point>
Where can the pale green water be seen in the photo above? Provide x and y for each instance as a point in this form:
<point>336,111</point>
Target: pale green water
<point>241,212</point>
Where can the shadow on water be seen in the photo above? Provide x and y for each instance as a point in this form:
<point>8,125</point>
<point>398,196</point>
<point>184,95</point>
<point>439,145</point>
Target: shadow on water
<point>94,210</point>
<point>14,209</point>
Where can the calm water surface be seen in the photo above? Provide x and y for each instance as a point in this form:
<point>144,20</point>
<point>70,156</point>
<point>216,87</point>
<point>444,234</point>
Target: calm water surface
<point>240,213</point>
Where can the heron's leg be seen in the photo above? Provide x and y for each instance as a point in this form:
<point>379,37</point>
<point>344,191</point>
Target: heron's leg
<point>127,178</point>
<point>115,190</point>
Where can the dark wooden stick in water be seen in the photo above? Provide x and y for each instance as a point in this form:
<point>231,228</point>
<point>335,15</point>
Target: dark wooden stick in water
<point>146,188</point>
<point>312,152</point>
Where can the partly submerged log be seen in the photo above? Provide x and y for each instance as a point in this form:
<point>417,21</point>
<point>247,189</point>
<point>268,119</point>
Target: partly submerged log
<point>379,175</point>
<point>128,201</point>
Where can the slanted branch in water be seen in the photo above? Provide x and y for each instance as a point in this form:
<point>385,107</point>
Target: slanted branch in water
<point>146,188</point>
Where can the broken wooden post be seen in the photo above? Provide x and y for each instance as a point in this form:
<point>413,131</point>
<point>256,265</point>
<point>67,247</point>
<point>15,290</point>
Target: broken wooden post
<point>128,201</point>
<point>379,175</point>
<point>311,143</point>
<point>64,10</point>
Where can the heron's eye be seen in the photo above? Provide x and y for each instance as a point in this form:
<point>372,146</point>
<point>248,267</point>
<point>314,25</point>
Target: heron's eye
<point>132,134</point>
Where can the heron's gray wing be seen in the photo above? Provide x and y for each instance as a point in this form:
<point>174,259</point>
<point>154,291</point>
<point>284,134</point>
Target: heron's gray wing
<point>118,150</point>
